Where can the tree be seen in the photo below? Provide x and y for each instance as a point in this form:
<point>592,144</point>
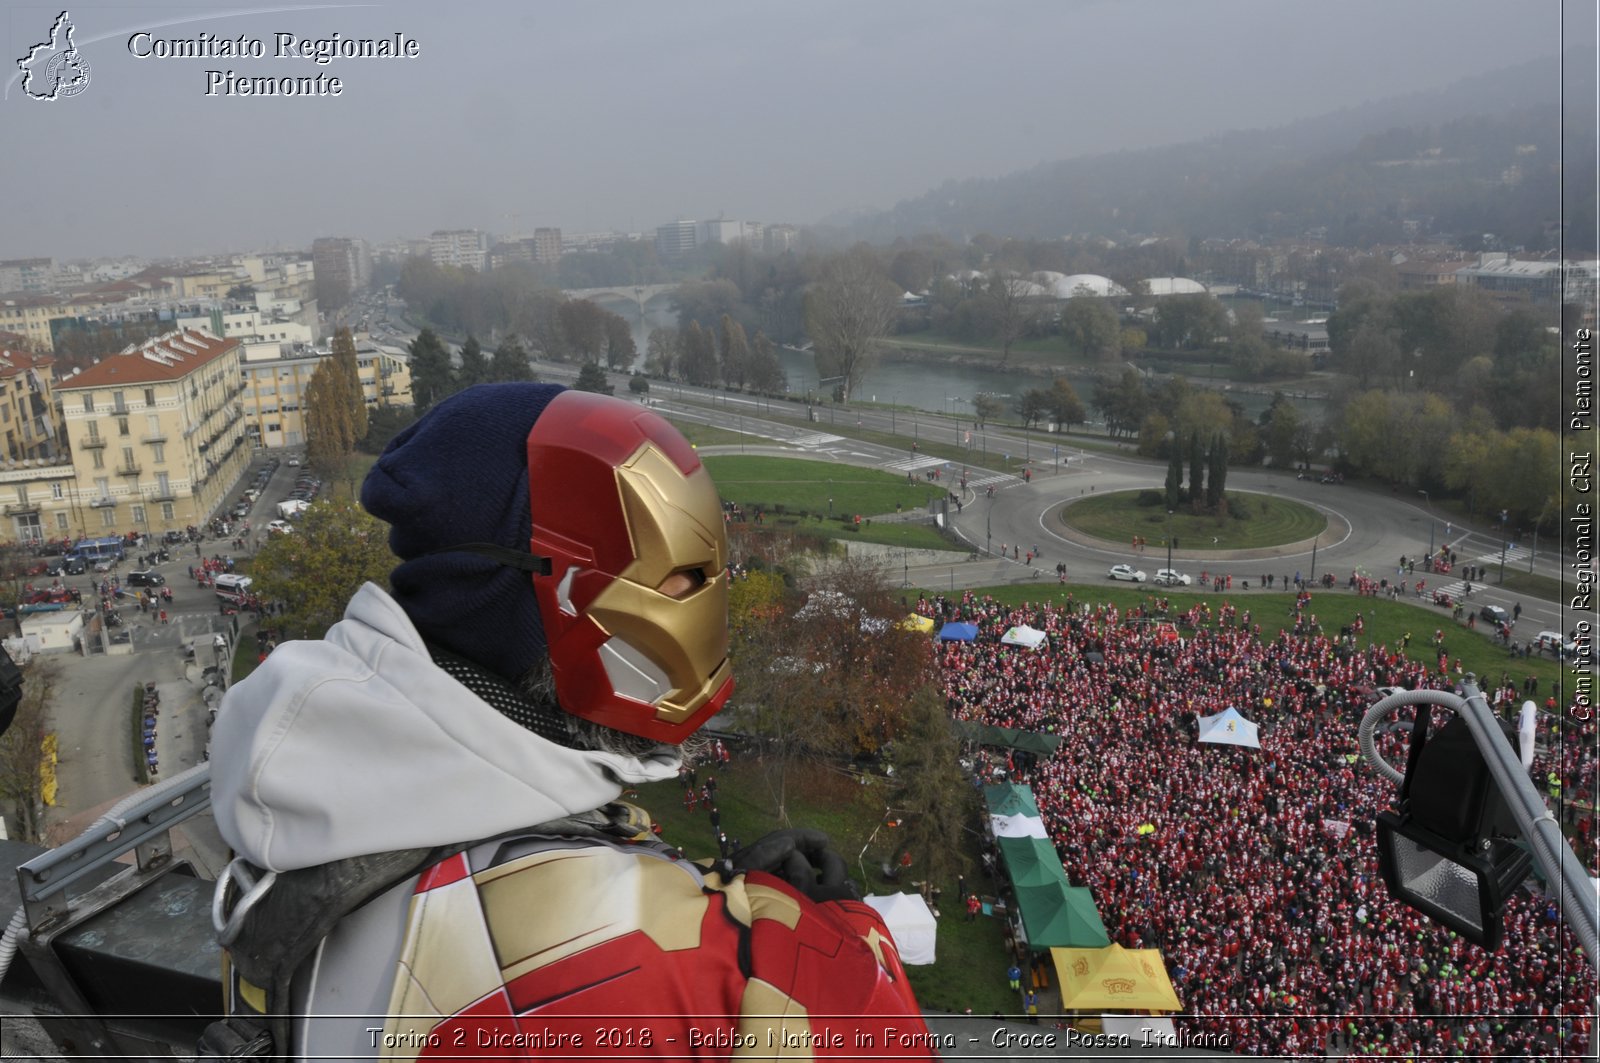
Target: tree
<point>766,371</point>
<point>593,378</point>
<point>1033,405</point>
<point>1247,347</point>
<point>1283,430</point>
<point>1188,322</point>
<point>474,366</point>
<point>639,384</point>
<point>583,323</point>
<point>987,407</point>
<point>814,687</point>
<point>698,361</point>
<point>1123,404</point>
<point>849,307</point>
<point>1197,487</point>
<point>734,352</point>
<point>931,786</point>
<point>314,571</point>
<point>1064,405</point>
<point>662,348</point>
<point>1174,484</point>
<point>1090,324</point>
<point>26,757</point>
<point>510,362</point>
<point>344,357</point>
<point>1007,297</point>
<point>620,348</point>
<point>330,429</point>
<point>1217,474</point>
<point>432,378</point>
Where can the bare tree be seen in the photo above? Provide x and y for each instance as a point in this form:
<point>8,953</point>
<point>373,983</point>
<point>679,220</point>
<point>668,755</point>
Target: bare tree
<point>1006,295</point>
<point>849,308</point>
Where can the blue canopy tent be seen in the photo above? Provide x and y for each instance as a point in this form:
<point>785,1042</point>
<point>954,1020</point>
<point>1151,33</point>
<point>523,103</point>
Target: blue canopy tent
<point>955,631</point>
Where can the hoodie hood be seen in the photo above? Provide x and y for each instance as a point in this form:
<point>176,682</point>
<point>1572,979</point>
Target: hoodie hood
<point>360,744</point>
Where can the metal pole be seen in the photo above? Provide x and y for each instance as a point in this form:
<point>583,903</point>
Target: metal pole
<point>1503,545</point>
<point>1313,560</point>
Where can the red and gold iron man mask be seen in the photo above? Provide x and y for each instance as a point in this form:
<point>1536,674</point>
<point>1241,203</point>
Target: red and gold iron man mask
<point>635,602</point>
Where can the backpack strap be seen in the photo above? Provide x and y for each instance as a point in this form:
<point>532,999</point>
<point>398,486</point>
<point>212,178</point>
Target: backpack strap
<point>276,927</point>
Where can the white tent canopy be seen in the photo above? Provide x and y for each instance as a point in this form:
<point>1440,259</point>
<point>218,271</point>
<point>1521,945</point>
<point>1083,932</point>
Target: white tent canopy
<point>1023,635</point>
<point>1018,826</point>
<point>910,923</point>
<point>1228,728</point>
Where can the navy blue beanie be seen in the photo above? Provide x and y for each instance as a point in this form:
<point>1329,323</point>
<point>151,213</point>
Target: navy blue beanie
<point>460,475</point>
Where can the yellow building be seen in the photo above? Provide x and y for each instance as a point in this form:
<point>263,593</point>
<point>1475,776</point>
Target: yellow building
<point>156,436</point>
<point>31,315</point>
<point>275,388</point>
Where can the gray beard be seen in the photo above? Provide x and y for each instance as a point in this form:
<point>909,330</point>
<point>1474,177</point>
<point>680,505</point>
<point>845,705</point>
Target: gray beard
<point>538,688</point>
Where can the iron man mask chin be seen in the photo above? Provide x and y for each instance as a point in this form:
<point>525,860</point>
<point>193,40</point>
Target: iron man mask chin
<point>635,603</point>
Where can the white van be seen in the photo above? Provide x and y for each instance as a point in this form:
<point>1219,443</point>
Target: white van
<point>228,581</point>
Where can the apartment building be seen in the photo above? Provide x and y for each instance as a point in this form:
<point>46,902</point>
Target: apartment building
<point>467,248</point>
<point>156,436</point>
<point>275,388</point>
<point>342,266</point>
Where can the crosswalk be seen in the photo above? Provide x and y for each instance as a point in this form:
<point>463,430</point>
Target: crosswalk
<point>815,439</point>
<point>1490,561</point>
<point>914,463</point>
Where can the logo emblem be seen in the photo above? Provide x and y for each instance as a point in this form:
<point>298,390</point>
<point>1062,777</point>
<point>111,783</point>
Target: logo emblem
<point>55,69</point>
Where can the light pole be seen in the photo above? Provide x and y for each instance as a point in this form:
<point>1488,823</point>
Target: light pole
<point>988,528</point>
<point>894,400</point>
<point>1169,540</point>
<point>1503,544</point>
<point>1429,502</point>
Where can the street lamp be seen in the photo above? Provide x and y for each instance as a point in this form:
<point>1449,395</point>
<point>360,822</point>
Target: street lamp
<point>1429,503</point>
<point>1169,540</point>
<point>1503,544</point>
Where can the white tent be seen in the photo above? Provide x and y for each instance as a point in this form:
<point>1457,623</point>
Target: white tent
<point>1141,1030</point>
<point>1018,826</point>
<point>1023,635</point>
<point>1228,728</point>
<point>910,923</point>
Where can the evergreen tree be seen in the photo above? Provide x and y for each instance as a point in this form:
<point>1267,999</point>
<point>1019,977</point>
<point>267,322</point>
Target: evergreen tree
<point>1174,476</point>
<point>474,364</point>
<point>593,378</point>
<point>1216,496</point>
<point>698,361</point>
<point>1197,471</point>
<point>432,377</point>
<point>510,362</point>
<point>620,348</point>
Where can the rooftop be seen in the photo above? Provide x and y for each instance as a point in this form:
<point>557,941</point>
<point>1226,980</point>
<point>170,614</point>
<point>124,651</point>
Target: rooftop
<point>169,357</point>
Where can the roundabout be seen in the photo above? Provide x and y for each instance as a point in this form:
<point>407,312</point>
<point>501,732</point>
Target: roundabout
<point>1254,522</point>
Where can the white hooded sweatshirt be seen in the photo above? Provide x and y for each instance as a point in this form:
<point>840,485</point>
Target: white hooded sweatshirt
<point>360,744</point>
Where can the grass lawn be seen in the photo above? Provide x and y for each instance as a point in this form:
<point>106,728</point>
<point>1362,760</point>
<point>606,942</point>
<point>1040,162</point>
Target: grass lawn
<point>705,435</point>
<point>1269,521</point>
<point>972,958</point>
<point>1527,583</point>
<point>1386,622</point>
<point>822,498</point>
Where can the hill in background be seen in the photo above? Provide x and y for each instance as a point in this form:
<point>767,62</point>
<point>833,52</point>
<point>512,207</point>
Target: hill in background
<point>1481,156</point>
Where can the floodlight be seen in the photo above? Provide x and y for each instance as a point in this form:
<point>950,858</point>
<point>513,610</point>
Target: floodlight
<point>1450,851</point>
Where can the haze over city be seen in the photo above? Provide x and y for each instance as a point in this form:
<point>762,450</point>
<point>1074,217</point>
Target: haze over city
<point>608,116</point>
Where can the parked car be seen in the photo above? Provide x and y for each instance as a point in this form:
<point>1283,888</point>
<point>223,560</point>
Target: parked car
<point>294,463</point>
<point>146,579</point>
<point>1171,577</point>
<point>72,566</point>
<point>279,527</point>
<point>1127,572</point>
<point>1494,614</point>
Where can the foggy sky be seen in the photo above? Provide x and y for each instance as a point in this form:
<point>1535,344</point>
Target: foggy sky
<point>626,114</point>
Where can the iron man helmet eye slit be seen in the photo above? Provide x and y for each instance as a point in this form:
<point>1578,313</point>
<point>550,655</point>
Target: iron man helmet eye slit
<point>684,582</point>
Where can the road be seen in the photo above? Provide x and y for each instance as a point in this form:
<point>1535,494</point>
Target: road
<point>1368,531</point>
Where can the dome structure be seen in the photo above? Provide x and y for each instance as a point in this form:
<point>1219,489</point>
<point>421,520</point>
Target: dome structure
<point>1174,286</point>
<point>1065,286</point>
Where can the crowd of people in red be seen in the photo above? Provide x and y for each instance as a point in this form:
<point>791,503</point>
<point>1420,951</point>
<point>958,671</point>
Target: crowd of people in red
<point>1260,882</point>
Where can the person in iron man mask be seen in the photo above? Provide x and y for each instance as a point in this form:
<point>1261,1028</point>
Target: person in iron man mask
<point>431,859</point>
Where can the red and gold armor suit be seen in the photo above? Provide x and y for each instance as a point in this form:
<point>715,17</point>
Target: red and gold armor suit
<point>582,948</point>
